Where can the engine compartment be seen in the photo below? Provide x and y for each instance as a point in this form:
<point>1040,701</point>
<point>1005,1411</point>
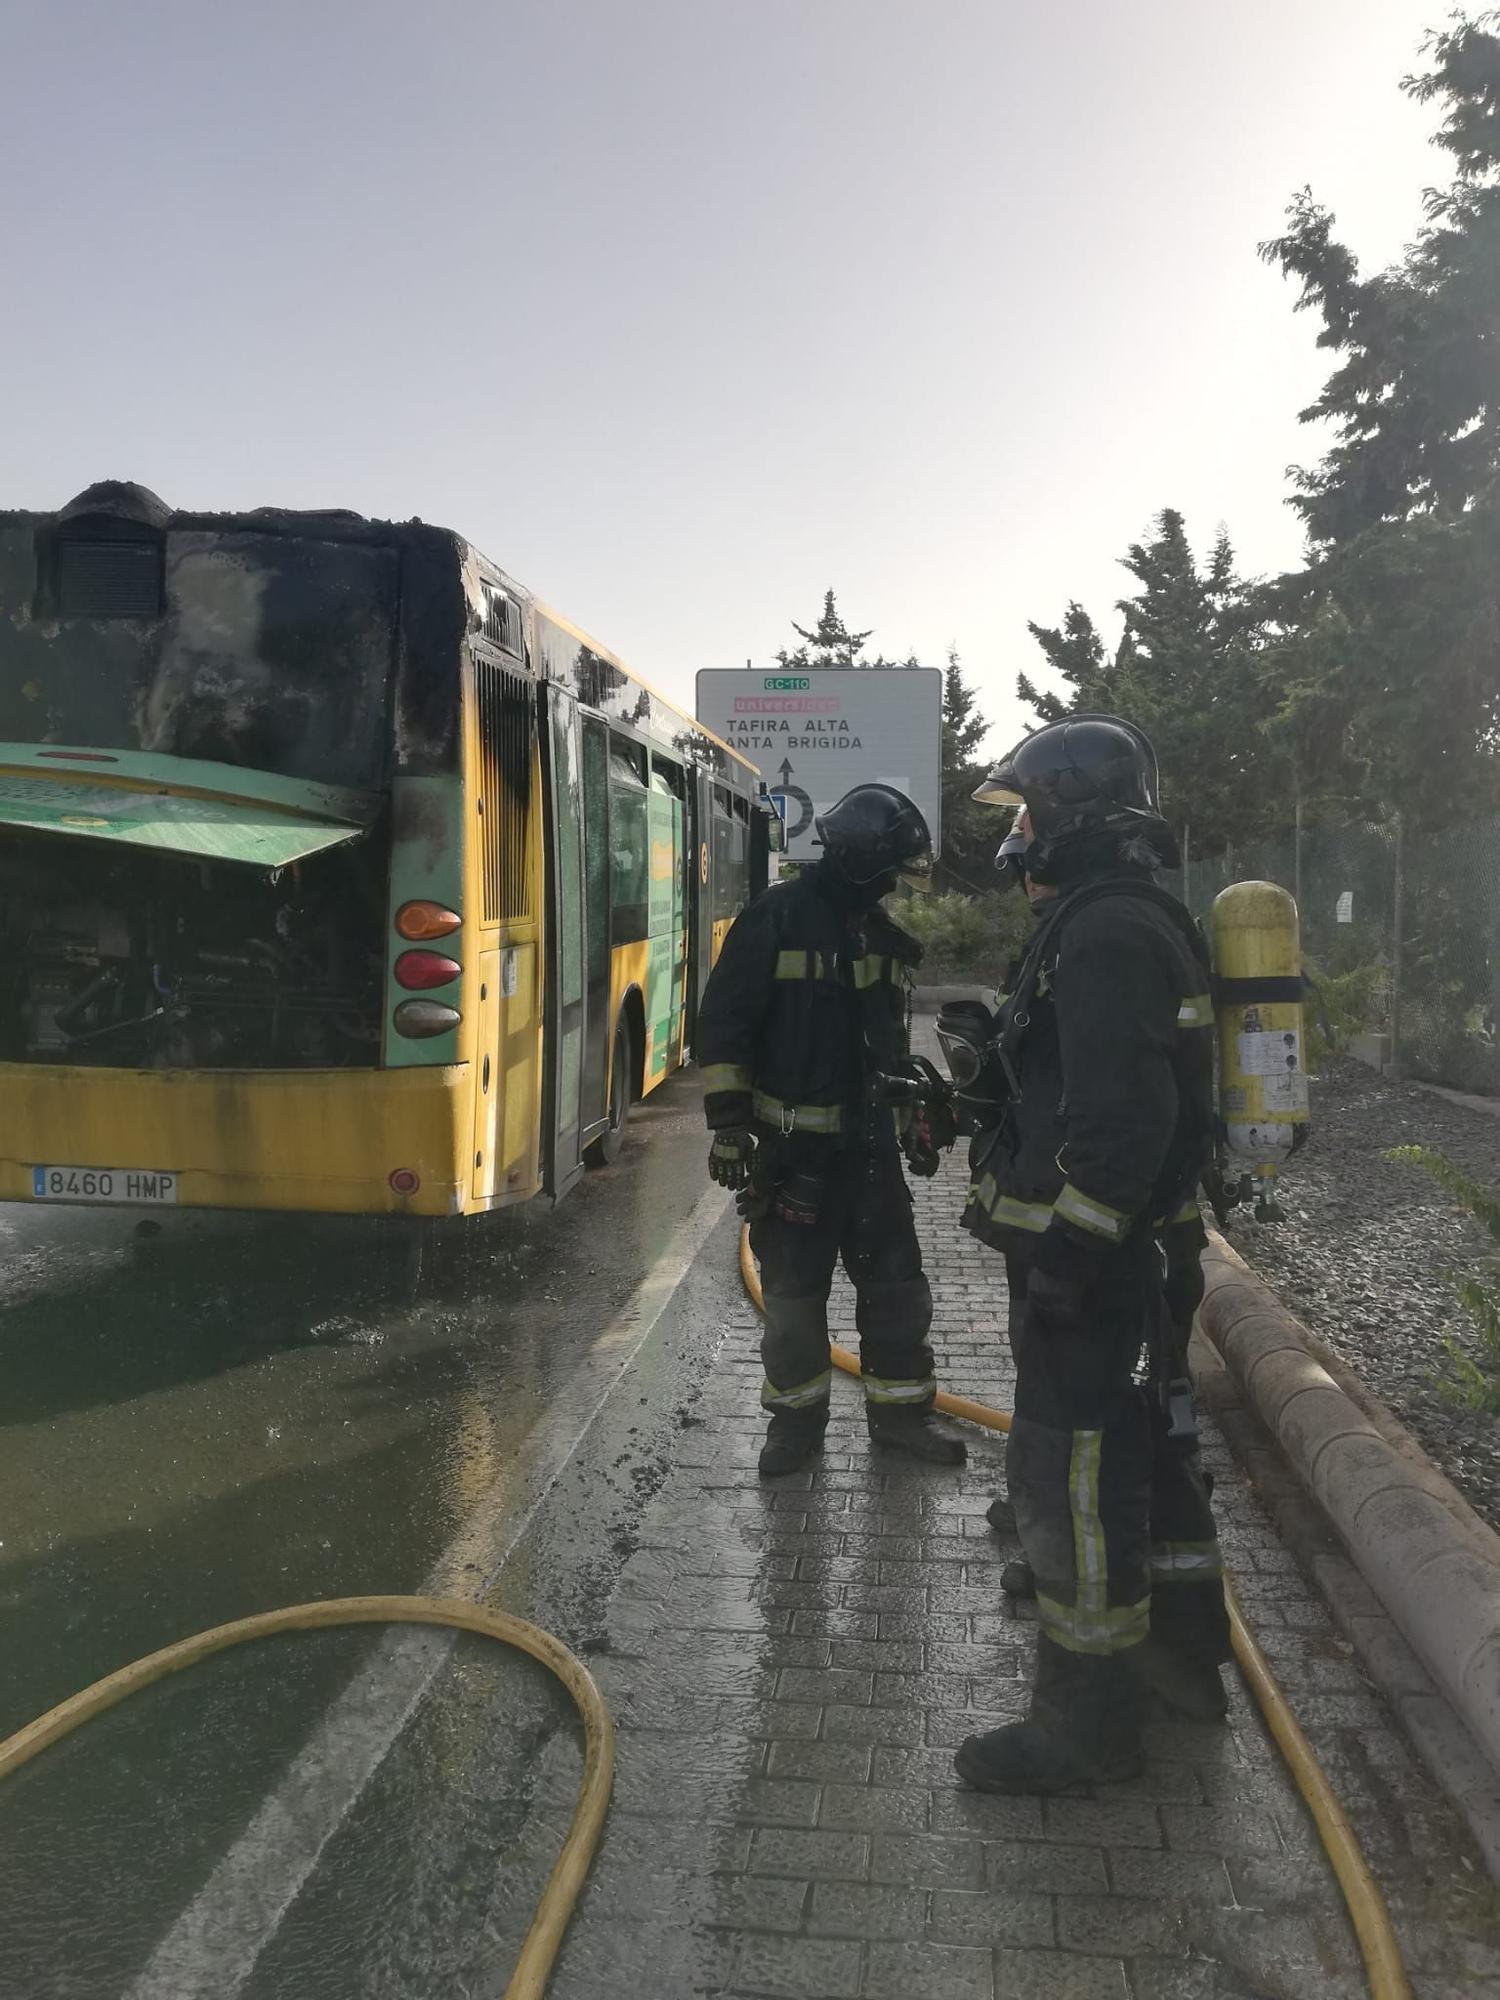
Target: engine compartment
<point>128,959</point>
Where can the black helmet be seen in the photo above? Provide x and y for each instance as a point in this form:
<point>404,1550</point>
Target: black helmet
<point>1084,776</point>
<point>1011,859</point>
<point>875,831</point>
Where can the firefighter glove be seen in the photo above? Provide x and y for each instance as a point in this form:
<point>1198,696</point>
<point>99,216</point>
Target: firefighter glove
<point>922,1155</point>
<point>731,1158</point>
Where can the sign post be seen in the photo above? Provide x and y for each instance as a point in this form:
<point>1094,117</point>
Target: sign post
<point>814,735</point>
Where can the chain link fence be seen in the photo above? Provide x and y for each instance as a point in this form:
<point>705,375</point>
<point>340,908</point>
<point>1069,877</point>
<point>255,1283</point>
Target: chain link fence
<point>1400,934</point>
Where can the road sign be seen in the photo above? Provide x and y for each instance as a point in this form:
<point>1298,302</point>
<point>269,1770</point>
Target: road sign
<point>813,735</point>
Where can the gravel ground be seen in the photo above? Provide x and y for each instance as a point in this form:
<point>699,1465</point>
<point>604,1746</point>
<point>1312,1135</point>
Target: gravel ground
<point>1364,1254</point>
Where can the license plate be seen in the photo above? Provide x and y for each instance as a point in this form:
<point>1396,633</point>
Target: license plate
<point>134,1185</point>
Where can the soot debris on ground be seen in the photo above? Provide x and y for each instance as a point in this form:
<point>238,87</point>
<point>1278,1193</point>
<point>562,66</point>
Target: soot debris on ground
<point>1365,1254</point>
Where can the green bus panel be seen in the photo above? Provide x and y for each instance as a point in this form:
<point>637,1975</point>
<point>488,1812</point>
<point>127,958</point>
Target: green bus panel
<point>661,981</point>
<point>663,860</point>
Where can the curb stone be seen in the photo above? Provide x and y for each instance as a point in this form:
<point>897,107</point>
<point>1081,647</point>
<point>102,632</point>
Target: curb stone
<point>1426,1616</point>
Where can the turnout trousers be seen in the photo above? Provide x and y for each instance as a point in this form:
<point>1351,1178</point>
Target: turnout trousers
<point>864,1216</point>
<point>1113,1512</point>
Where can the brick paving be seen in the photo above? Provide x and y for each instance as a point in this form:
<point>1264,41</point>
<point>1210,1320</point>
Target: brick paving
<point>791,1666</point>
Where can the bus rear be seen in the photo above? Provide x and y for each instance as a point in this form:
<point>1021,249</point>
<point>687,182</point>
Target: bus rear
<point>219,737</point>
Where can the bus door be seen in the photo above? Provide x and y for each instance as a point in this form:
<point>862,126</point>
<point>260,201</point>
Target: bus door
<point>667,916</point>
<point>682,872</point>
<point>506,831</point>
<point>701,895</point>
<point>598,1028</point>
<point>564,1011</point>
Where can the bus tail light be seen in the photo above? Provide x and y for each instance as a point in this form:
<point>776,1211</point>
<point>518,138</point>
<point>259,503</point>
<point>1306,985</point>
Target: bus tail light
<point>419,970</point>
<point>419,1019</point>
<point>405,1180</point>
<point>421,922</point>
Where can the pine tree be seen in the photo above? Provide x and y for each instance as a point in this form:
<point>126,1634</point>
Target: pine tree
<point>1185,671</point>
<point>1391,657</point>
<point>970,834</point>
<point>1075,653</point>
<point>830,643</point>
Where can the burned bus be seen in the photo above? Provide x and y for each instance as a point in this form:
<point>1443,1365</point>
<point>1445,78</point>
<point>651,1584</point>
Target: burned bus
<point>336,872</point>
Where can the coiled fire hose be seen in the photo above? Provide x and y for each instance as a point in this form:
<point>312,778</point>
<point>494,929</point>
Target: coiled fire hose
<point>564,1885</point>
<point>1384,1970</point>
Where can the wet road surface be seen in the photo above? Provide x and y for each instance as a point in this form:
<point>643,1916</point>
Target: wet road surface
<point>234,1413</point>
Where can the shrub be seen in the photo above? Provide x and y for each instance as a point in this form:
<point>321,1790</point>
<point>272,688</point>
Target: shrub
<point>966,937</point>
<point>1343,1005</point>
<point>1472,1382</point>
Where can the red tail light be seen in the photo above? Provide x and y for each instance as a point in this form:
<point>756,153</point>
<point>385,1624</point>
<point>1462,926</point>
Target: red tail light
<point>405,1180</point>
<point>420,921</point>
<point>419,970</point>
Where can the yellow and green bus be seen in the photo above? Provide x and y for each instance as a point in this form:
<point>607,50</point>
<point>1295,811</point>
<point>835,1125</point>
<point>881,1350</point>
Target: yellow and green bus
<point>336,872</point>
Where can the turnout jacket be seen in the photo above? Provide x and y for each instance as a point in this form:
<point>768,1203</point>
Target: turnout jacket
<point>809,996</point>
<point>1105,1045</point>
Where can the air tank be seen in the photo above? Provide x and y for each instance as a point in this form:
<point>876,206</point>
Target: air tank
<point>1258,1012</point>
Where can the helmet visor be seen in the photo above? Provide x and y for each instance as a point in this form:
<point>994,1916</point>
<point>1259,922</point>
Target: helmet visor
<point>917,873</point>
<point>999,789</point>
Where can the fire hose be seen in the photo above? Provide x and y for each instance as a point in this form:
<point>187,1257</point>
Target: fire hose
<point>565,1884</point>
<point>1385,1972</point>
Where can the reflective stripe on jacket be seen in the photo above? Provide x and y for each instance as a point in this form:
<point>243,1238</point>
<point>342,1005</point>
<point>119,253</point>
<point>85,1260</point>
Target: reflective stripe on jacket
<point>1109,1030</point>
<point>808,995</point>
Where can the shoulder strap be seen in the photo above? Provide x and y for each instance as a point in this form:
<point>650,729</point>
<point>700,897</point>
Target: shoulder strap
<point>1067,907</point>
<point>1145,891</point>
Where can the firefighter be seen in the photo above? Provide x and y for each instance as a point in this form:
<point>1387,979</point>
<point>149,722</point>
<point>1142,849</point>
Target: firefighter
<point>1105,1050</point>
<point>1189,1631</point>
<point>802,1037</point>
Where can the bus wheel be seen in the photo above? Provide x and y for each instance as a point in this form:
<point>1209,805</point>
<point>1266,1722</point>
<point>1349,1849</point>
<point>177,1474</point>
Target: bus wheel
<point>605,1150</point>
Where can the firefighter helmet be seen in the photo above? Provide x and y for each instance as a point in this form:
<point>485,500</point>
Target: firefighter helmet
<point>876,831</point>
<point>1086,776</point>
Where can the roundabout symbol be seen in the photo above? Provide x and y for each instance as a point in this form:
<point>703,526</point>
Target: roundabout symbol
<point>792,795</point>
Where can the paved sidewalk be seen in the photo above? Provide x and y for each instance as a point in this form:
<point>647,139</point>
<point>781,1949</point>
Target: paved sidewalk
<point>792,1665</point>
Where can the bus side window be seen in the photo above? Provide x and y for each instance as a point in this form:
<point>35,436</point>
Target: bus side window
<point>629,855</point>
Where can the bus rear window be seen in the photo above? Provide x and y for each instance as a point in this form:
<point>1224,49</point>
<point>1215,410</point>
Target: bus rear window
<point>271,652</point>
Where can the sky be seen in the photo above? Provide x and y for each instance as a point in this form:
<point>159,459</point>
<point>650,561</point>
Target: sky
<point>685,311</point>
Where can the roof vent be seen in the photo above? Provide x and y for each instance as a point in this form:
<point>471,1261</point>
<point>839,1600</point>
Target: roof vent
<point>109,579</point>
<point>105,556</point>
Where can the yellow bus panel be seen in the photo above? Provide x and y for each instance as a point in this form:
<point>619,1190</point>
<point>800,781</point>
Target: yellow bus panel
<point>319,1140</point>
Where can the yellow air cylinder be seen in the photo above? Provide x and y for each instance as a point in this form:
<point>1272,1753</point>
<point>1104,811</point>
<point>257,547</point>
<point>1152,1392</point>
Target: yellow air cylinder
<point>1258,1003</point>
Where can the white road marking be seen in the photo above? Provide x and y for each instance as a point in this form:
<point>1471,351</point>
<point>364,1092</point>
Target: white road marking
<point>212,1948</point>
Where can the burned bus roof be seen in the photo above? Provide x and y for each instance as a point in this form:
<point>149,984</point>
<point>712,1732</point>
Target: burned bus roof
<point>592,670</point>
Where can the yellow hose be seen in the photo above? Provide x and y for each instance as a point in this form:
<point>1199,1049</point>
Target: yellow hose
<point>1384,1971</point>
<point>543,1940</point>
<point>1367,1910</point>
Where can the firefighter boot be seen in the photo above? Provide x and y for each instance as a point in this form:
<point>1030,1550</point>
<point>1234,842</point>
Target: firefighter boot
<point>1180,1661</point>
<point>1018,1579</point>
<point>792,1438</point>
<point>1193,1689</point>
<point>1083,1727</point>
<point>912,1428</point>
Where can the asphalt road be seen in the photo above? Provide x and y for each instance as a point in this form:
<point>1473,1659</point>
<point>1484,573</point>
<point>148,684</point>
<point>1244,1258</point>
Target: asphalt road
<point>232,1413</point>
